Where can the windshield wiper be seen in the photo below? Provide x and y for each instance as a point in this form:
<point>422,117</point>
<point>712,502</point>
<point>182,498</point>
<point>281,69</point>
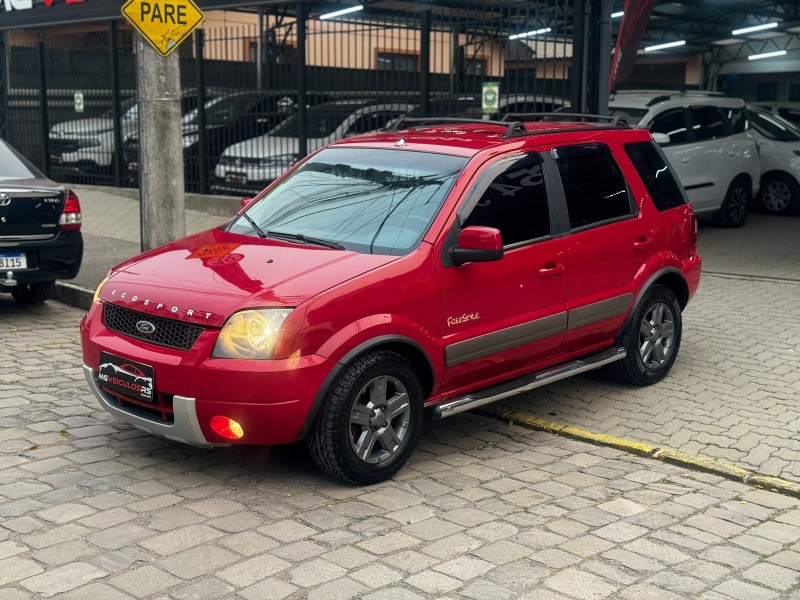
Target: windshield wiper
<point>255,227</point>
<point>306,239</point>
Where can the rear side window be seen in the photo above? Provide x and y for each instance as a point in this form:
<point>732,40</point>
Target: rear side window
<point>594,186</point>
<point>736,118</point>
<point>673,123</point>
<point>515,202</point>
<point>657,175</point>
<point>707,123</point>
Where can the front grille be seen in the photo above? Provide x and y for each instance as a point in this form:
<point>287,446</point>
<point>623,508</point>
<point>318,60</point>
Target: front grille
<point>168,332</point>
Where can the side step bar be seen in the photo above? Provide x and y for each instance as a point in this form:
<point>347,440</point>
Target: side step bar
<point>527,383</point>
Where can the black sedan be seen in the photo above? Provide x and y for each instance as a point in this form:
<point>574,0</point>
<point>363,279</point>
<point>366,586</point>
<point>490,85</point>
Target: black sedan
<point>40,223</point>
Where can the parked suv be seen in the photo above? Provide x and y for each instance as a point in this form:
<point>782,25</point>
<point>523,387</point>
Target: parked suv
<point>443,266</point>
<point>704,137</point>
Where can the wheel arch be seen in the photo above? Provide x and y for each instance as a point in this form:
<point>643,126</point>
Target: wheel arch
<point>401,345</point>
<point>669,277</point>
<point>782,173</point>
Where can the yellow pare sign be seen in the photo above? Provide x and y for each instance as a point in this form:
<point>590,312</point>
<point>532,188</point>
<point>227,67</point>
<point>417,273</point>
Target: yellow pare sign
<point>163,23</point>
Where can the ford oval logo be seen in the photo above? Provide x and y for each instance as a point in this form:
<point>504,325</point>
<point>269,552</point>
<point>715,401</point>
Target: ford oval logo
<point>145,327</point>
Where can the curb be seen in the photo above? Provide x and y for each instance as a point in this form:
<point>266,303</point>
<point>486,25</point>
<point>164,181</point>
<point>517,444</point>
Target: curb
<point>699,463</point>
<point>73,295</point>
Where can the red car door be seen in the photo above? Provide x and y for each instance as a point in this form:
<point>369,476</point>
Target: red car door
<point>503,316</point>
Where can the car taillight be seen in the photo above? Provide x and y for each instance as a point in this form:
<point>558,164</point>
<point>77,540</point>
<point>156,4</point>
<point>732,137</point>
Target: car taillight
<point>71,215</point>
<point>692,233</point>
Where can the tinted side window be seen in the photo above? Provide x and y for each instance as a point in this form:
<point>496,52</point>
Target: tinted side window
<point>737,119</point>
<point>515,203</point>
<point>594,187</point>
<point>656,174</point>
<point>673,123</point>
<point>707,123</point>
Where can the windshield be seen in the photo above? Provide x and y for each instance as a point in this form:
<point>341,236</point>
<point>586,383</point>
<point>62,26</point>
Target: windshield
<point>321,121</point>
<point>128,109</point>
<point>773,127</point>
<point>222,111</point>
<point>635,114</point>
<point>368,200</point>
<point>13,166</point>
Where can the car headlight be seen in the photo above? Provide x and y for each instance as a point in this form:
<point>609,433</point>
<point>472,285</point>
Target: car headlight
<point>251,334</point>
<point>100,287</point>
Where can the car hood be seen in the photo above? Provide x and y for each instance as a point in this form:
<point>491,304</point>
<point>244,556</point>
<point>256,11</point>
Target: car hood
<point>92,126</point>
<point>207,277</point>
<point>267,145</point>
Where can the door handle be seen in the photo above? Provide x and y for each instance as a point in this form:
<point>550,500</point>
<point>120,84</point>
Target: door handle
<point>686,160</point>
<point>642,243</point>
<point>551,270</point>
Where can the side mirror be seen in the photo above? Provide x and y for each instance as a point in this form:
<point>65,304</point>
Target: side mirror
<point>661,138</point>
<point>478,244</point>
<point>245,203</point>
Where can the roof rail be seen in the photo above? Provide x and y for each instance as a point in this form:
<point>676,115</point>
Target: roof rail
<point>615,121</point>
<point>511,128</point>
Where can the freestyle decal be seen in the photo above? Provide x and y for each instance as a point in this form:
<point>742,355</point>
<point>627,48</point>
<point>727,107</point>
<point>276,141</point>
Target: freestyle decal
<point>465,318</point>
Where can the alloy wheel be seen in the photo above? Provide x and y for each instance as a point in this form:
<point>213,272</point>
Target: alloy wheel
<point>379,420</point>
<point>776,196</point>
<point>737,204</point>
<point>656,334</point>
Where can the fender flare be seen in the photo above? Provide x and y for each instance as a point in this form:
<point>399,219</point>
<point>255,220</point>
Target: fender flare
<point>647,285</point>
<point>340,365</point>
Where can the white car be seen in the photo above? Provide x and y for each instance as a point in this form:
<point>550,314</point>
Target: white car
<point>87,145</point>
<point>705,138</point>
<point>779,146</point>
<point>250,165</point>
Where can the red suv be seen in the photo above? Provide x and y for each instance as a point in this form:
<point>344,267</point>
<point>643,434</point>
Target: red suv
<point>443,266</point>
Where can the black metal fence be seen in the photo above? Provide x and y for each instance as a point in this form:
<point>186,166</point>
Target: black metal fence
<point>260,95</point>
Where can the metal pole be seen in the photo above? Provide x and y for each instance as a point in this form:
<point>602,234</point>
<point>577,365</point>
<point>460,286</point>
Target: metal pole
<point>260,50</point>
<point>302,140</point>
<point>579,58</point>
<point>115,104</point>
<point>161,183</point>
<point>5,85</point>
<point>45,129</point>
<point>603,54</point>
<point>199,60</point>
<point>425,61</point>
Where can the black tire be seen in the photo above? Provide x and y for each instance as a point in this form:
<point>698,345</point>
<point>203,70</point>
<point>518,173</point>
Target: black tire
<point>33,293</point>
<point>648,369</point>
<point>780,194</point>
<point>334,438</point>
<point>733,211</point>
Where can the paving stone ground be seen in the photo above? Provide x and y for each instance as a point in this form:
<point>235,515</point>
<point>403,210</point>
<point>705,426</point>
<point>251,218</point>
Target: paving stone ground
<point>93,509</point>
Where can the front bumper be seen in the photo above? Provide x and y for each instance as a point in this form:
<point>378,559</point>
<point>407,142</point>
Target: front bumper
<point>185,429</point>
<point>270,399</point>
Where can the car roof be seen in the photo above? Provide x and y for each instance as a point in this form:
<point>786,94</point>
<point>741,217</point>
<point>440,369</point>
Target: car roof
<point>652,99</point>
<point>468,139</point>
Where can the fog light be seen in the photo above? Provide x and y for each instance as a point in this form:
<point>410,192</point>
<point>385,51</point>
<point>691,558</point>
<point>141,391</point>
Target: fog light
<point>227,428</point>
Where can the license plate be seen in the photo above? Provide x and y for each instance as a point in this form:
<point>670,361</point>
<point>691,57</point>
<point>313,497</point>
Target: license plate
<point>13,262</point>
<point>127,377</point>
<point>237,178</point>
